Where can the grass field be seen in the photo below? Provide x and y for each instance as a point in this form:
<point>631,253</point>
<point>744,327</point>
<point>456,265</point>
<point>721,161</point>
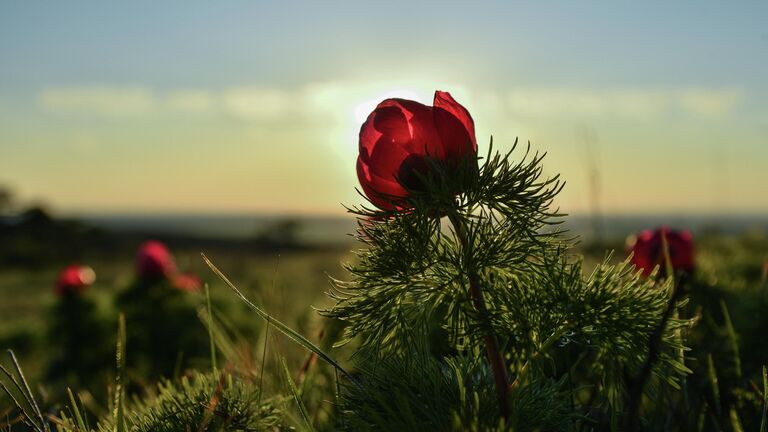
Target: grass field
<point>290,284</point>
<point>287,284</point>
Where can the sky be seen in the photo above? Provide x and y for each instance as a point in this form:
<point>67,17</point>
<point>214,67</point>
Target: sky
<point>238,107</point>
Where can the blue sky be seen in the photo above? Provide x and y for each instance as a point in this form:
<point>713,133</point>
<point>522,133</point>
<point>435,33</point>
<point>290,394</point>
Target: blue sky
<point>254,106</point>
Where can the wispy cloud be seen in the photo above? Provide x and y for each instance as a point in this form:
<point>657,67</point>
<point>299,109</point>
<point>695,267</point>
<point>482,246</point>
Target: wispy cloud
<point>190,101</point>
<point>710,103</point>
<point>264,104</point>
<point>109,100</point>
<point>254,103</point>
<point>624,102</point>
<point>259,104</point>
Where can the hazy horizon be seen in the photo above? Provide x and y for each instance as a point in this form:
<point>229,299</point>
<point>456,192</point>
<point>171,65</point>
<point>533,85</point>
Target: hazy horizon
<point>335,228</point>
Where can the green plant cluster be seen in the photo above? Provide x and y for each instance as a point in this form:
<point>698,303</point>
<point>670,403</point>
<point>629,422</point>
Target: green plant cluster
<point>567,340</point>
<point>200,402</point>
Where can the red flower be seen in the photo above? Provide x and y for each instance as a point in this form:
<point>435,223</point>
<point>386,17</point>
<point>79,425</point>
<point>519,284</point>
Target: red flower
<point>74,279</point>
<point>397,138</point>
<point>647,250</point>
<point>154,261</point>
<point>186,282</point>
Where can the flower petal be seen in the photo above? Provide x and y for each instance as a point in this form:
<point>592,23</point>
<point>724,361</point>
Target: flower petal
<point>396,130</point>
<point>648,250</point>
<point>154,260</point>
<point>385,138</point>
<point>425,138</point>
<point>445,101</point>
<point>380,191</point>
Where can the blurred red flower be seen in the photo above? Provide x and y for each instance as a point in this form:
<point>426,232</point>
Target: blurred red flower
<point>154,261</point>
<point>647,250</point>
<point>74,279</point>
<point>397,138</point>
<point>186,282</point>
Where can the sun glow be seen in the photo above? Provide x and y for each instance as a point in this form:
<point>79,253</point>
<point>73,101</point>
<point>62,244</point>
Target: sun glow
<point>363,109</point>
<point>349,103</point>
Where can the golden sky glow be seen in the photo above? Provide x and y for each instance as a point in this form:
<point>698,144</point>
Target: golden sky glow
<point>171,121</point>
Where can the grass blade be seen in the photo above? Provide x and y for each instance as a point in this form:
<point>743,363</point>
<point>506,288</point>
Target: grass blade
<point>119,413</point>
<point>735,421</point>
<point>76,411</point>
<point>266,341</point>
<point>713,381</point>
<point>15,384</point>
<point>732,339</point>
<point>16,402</point>
<point>28,392</point>
<point>764,422</point>
<point>296,396</point>
<point>210,330</point>
<point>287,331</point>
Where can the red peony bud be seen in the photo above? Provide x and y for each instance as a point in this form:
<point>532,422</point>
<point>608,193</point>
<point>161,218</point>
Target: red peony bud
<point>397,138</point>
<point>647,250</point>
<point>186,282</point>
<point>154,261</point>
<point>74,279</point>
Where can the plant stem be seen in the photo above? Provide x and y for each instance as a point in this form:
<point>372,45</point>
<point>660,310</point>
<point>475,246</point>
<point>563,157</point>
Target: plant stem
<point>492,349</point>
<point>637,384</point>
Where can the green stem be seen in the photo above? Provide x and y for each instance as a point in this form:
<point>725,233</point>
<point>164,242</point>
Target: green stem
<point>637,384</point>
<point>495,357</point>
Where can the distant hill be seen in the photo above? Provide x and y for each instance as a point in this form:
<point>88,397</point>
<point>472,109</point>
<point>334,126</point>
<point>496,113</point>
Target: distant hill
<point>335,230</point>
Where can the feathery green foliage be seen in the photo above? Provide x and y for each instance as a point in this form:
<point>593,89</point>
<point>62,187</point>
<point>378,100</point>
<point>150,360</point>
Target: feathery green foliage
<point>200,402</point>
<point>419,279</point>
<point>420,392</point>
